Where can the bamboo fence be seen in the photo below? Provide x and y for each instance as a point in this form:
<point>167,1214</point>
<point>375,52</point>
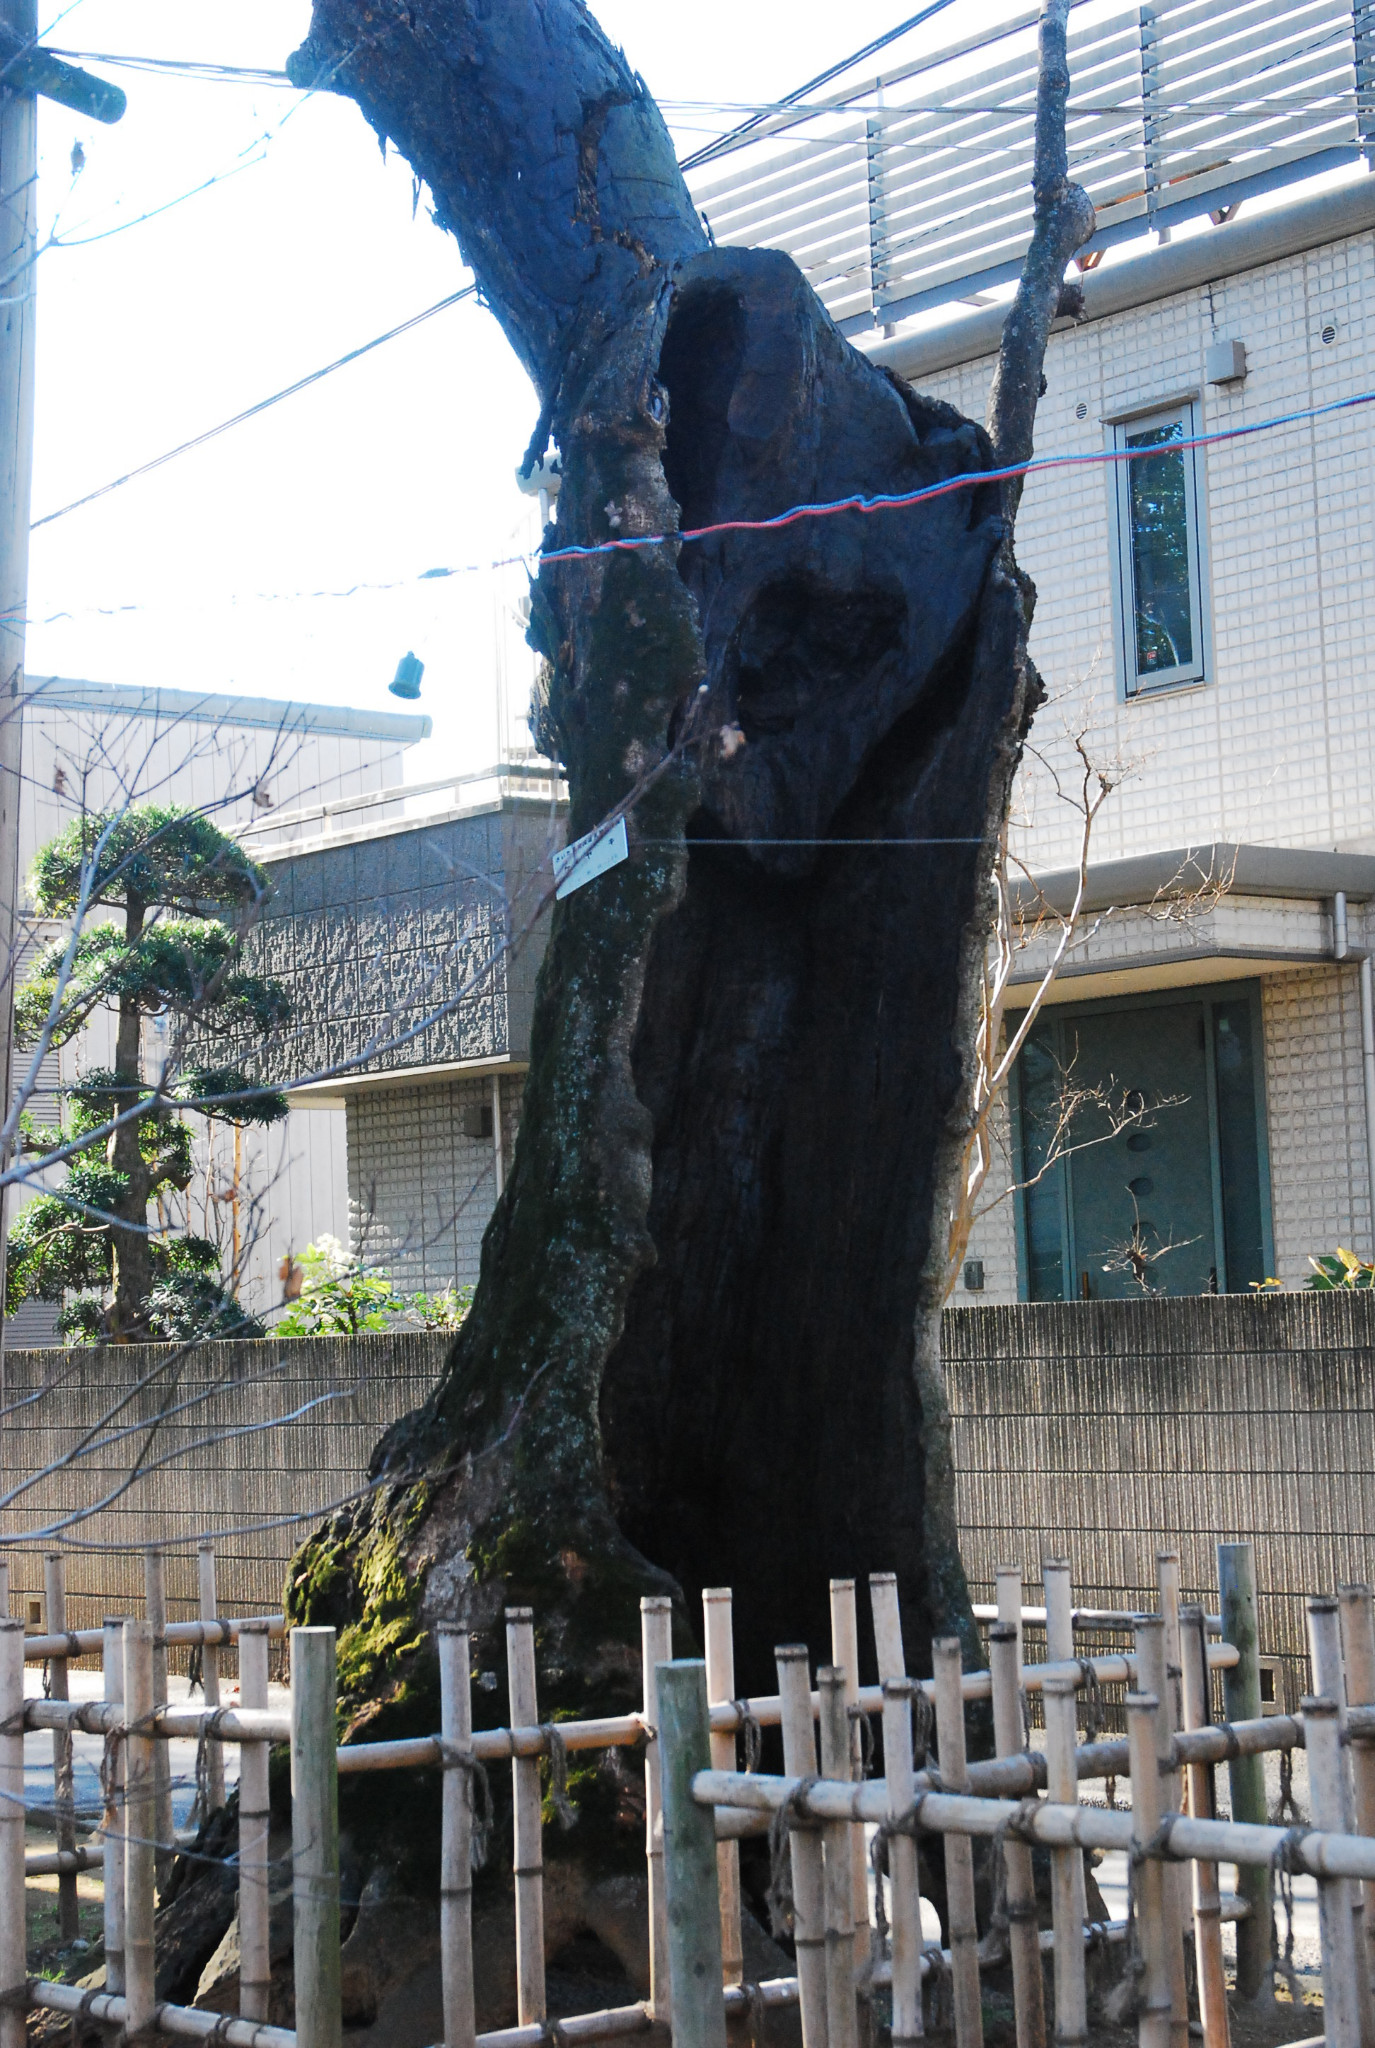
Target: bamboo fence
<point>825,1817</point>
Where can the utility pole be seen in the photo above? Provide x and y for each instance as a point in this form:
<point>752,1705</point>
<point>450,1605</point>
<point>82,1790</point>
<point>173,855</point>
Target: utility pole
<point>25,73</point>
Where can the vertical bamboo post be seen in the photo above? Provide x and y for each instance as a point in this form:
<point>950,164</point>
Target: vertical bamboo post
<point>845,1659</point>
<point>155,1604</point>
<point>315,1838</point>
<point>1059,1597</point>
<point>842,2014</point>
<point>1059,1609</point>
<point>529,1845</point>
<point>904,1900</point>
<point>720,1648</point>
<point>887,1616</point>
<point>1008,1593</point>
<point>1236,1572</point>
<point>1152,1676</point>
<point>1067,1915</point>
<point>140,1820</point>
<point>1028,1983</point>
<point>64,1803</point>
<point>14,1967</point>
<point>696,2011</point>
<point>1154,1936</point>
<point>4,1589</point>
<point>1177,1881</point>
<point>255,1964</point>
<point>1329,1682</point>
<point>799,1761</point>
<point>959,1852</point>
<point>1358,1647</point>
<point>210,1670</point>
<point>112,1664</point>
<point>656,1648</point>
<point>456,1852</point>
<point>1340,1999</point>
<point>1207,1903</point>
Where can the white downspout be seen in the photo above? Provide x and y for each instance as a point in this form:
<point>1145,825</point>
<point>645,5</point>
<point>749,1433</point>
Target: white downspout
<point>1342,951</point>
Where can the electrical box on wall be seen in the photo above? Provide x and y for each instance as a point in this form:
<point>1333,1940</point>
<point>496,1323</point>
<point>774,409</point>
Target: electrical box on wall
<point>1225,362</point>
<point>477,1122</point>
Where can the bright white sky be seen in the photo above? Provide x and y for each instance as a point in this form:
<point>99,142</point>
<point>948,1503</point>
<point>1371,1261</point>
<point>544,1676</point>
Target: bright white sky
<point>406,460</point>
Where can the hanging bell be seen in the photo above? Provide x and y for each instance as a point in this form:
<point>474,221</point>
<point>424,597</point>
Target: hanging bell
<point>408,673</point>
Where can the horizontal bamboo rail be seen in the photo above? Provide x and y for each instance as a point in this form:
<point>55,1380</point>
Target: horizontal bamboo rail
<point>1085,1618</point>
<point>1321,1854</point>
<point>86,1642</point>
<point>187,2022</point>
<point>61,1862</point>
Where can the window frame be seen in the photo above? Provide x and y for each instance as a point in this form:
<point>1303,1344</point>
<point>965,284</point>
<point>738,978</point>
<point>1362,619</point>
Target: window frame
<point>1132,683</point>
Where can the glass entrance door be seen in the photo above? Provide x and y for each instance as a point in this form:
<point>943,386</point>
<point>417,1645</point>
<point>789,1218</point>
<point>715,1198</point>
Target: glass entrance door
<point>1141,1141</point>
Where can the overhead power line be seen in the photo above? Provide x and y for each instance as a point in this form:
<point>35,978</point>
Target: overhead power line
<point>252,411</point>
<point>737,136</point>
<point>178,67</point>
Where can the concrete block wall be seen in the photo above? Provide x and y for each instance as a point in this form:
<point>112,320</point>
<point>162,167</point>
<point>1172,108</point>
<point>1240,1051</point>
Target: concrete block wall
<point>421,1186</point>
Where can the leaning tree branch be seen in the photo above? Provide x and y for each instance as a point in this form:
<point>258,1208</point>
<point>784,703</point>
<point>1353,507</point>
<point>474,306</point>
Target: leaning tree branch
<point>1063,222</point>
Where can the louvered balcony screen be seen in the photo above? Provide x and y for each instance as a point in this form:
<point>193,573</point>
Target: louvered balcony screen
<point>915,188</point>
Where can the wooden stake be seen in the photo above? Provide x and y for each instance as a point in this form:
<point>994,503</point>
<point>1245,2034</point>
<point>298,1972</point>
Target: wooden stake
<point>529,1845</point>
<point>155,1605</point>
<point>720,1648</point>
<point>845,1659</point>
<point>1340,1998</point>
<point>315,1838</point>
<point>255,1962</point>
<point>904,1900</point>
<point>656,1648</point>
<point>64,1802</point>
<point>1154,1937</point>
<point>14,1967</point>
<point>883,1605</point>
<point>697,2014</point>
<point>1358,1646</point>
<point>959,1853</point>
<point>1329,1682</point>
<point>456,1853</point>
<point>799,1761</point>
<point>210,1670</point>
<point>1202,1805</point>
<point>1062,1786</point>
<point>1028,1983</point>
<point>140,1823</point>
<point>842,2015</point>
<point>1236,1572</point>
<point>112,1663</point>
<point>1152,1676</point>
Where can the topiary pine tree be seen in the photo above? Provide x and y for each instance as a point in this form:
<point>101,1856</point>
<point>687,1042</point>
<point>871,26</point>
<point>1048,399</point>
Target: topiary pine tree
<point>184,888</point>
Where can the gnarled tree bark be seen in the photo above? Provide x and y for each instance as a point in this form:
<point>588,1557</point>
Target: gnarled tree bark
<point>704,1344</point>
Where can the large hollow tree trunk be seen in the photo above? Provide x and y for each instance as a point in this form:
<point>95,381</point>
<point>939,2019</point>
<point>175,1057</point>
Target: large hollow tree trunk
<point>704,1344</point>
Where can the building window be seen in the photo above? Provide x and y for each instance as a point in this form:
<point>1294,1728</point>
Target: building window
<point>1140,1143</point>
<point>1159,582</point>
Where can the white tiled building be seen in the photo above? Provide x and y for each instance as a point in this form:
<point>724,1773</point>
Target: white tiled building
<point>1269,743</point>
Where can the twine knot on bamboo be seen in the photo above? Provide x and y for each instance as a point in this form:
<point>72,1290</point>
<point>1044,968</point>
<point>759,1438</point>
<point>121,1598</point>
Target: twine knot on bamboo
<point>209,1732</point>
<point>859,1718</point>
<point>1284,1861</point>
<point>751,1733</point>
<point>558,1775</point>
<point>195,1669</point>
<point>901,1824</point>
<point>754,2013</point>
<point>109,1770</point>
<point>794,1812</point>
<point>453,1758</point>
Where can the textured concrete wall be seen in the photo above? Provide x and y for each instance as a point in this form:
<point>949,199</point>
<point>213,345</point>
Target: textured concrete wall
<point>376,936</point>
